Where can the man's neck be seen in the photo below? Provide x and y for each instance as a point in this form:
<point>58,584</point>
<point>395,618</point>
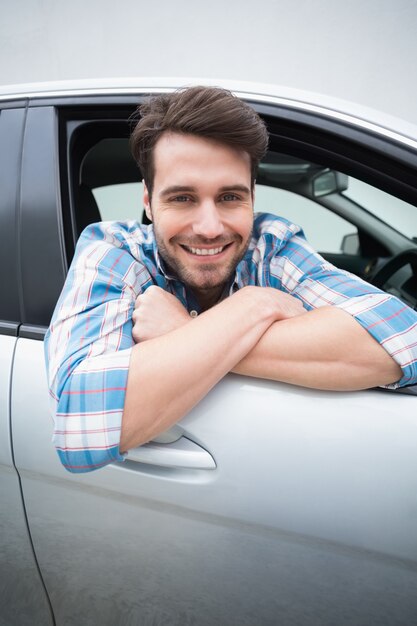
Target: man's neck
<point>207,298</point>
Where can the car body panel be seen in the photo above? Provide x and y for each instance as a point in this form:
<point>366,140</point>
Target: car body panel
<point>22,597</point>
<point>289,485</point>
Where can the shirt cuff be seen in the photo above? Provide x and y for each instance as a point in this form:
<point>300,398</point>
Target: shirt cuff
<point>89,412</point>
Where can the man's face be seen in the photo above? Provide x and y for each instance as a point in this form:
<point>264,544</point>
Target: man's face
<point>202,210</point>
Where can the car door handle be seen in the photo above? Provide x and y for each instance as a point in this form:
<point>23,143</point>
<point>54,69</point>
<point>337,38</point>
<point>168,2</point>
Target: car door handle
<point>181,453</point>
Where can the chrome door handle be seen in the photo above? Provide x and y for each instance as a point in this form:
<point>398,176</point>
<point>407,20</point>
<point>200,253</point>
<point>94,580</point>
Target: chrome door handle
<point>181,453</point>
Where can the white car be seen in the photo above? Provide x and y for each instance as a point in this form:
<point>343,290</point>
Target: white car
<point>268,504</point>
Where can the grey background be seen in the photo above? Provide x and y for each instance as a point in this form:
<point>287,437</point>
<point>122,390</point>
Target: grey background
<point>359,50</point>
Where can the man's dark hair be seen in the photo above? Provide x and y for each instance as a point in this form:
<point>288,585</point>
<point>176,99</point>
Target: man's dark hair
<point>209,112</point>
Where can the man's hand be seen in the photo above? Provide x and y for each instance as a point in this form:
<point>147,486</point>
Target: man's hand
<point>276,304</point>
<point>156,313</point>
<point>289,306</point>
<point>171,372</point>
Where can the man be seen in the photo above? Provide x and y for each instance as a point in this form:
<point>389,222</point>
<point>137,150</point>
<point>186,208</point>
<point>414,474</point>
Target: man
<point>151,318</point>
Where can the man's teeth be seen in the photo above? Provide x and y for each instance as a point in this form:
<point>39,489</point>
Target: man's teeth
<point>206,251</point>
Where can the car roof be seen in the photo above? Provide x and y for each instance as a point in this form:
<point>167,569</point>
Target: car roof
<point>319,104</point>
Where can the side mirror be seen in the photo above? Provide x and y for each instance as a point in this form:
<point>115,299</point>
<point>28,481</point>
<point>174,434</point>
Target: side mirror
<point>350,244</point>
<point>329,182</point>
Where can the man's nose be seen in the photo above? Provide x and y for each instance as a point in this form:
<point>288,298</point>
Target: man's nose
<point>208,222</point>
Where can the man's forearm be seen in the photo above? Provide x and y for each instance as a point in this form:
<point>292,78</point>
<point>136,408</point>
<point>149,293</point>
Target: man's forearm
<point>324,349</point>
<point>169,374</point>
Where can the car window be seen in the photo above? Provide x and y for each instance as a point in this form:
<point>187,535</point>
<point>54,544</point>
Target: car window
<point>323,229</point>
<point>395,212</point>
<point>119,202</point>
<point>338,221</point>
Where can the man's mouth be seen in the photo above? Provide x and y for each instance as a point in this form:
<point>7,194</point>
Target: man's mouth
<point>205,251</point>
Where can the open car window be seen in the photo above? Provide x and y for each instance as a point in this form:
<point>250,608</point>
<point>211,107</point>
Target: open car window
<point>353,224</point>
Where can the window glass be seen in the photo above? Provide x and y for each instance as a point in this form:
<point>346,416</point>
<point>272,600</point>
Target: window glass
<point>398,214</point>
<point>120,202</point>
<point>323,229</point>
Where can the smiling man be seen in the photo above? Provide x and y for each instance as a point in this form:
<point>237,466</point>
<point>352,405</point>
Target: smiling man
<point>179,200</point>
<point>202,211</point>
<point>152,317</point>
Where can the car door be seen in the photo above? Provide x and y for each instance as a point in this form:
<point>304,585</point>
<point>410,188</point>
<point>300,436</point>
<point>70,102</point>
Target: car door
<point>22,595</point>
<point>266,504</point>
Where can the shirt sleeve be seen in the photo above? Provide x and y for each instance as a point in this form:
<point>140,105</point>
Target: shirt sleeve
<point>87,349</point>
<point>299,270</point>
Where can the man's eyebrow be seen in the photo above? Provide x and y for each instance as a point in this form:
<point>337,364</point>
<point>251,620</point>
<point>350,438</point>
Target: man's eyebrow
<point>186,188</point>
<point>176,189</point>
<point>238,187</point>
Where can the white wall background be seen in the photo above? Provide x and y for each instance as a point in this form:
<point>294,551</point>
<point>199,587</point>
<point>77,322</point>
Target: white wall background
<point>359,50</point>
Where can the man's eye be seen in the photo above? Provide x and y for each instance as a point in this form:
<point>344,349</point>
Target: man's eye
<point>230,197</point>
<point>180,199</point>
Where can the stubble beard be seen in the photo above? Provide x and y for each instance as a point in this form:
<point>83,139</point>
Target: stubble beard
<point>206,277</point>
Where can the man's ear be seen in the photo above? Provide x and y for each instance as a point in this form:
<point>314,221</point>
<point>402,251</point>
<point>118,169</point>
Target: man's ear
<point>147,202</point>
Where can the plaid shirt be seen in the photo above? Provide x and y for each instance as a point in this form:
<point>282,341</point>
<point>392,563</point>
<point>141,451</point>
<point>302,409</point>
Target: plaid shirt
<point>88,344</point>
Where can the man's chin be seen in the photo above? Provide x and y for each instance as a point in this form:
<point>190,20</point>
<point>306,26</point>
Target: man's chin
<point>207,280</point>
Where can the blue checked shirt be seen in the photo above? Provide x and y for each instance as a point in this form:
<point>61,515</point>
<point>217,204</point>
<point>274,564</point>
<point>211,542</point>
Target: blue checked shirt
<point>89,341</point>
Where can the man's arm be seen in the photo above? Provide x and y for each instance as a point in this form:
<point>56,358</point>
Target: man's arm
<point>178,361</point>
<point>378,332</point>
<point>88,346</point>
<point>324,349</point>
<point>171,370</point>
